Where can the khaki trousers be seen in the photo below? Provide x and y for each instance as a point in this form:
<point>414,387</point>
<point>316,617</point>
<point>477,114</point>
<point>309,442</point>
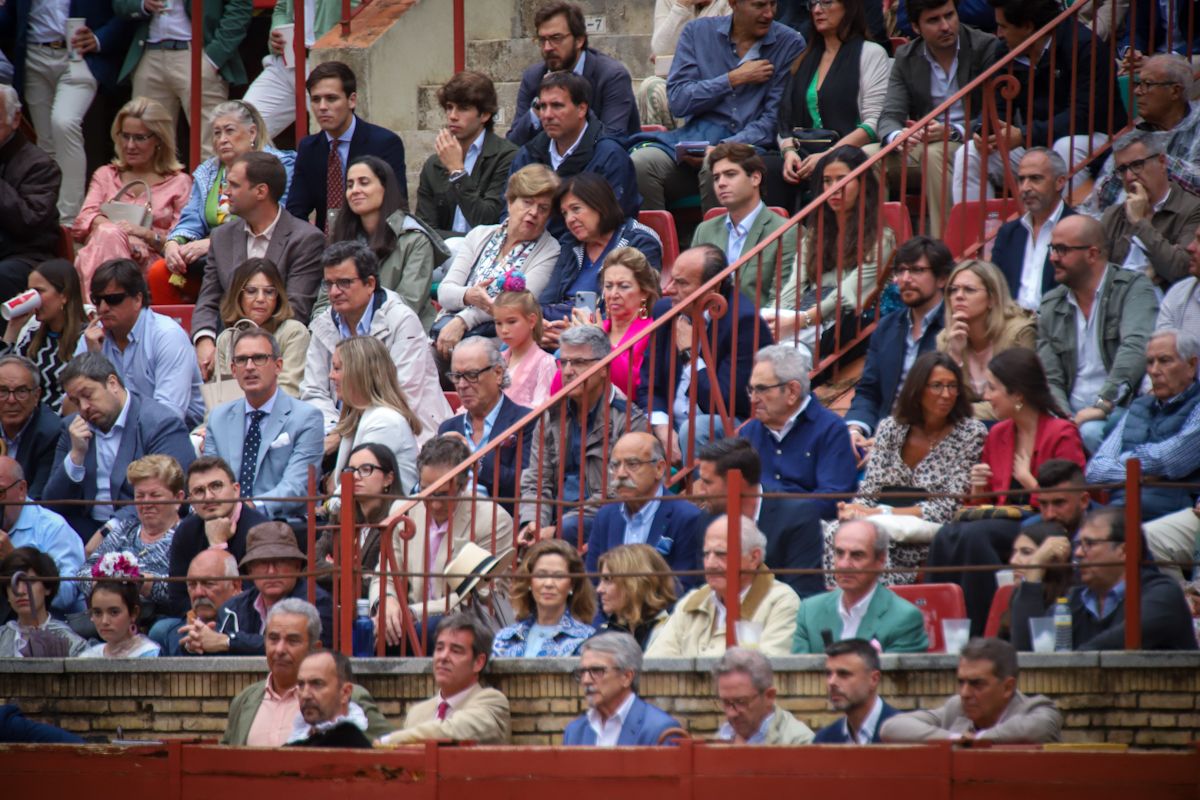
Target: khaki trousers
<point>166,76</point>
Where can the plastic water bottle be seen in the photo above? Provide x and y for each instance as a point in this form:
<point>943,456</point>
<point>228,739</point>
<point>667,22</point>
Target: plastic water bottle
<point>991,227</point>
<point>1062,626</point>
<point>363,636</point>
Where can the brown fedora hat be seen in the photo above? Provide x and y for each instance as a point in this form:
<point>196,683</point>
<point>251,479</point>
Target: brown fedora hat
<point>268,540</point>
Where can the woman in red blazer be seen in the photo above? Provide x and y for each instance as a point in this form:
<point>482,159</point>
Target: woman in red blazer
<point>1031,431</point>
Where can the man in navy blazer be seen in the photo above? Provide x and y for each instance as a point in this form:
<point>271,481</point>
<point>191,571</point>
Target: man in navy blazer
<point>112,429</point>
<point>562,38</point>
<point>30,427</point>
<point>1041,177</point>
<point>609,665</point>
<point>333,94</point>
<point>668,403</point>
<point>852,676</point>
<point>674,528</point>
<point>289,432</point>
<point>479,374</point>
<point>922,267</point>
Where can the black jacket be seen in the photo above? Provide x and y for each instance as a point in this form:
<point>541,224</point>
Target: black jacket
<point>29,184</point>
<point>480,193</point>
<point>243,629</point>
<point>342,735</point>
<point>36,453</point>
<point>189,541</point>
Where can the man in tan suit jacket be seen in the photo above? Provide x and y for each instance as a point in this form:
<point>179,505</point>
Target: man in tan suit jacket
<point>463,709</point>
<point>987,706</point>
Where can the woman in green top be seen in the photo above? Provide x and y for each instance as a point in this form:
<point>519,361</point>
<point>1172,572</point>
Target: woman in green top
<point>237,128</point>
<point>839,63</point>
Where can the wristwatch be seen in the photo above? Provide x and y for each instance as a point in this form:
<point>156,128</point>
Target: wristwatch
<point>1104,405</point>
<point>457,175</point>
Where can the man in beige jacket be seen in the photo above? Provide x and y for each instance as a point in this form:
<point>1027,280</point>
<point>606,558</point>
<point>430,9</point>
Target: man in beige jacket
<point>746,691</point>
<point>463,709</point>
<point>697,626</point>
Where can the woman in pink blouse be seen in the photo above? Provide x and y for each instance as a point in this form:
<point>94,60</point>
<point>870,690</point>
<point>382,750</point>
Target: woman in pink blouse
<point>144,138</point>
<point>629,286</point>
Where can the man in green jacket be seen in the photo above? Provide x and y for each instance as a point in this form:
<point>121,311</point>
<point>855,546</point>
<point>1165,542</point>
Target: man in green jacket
<point>265,713</point>
<point>737,172</point>
<point>160,61</point>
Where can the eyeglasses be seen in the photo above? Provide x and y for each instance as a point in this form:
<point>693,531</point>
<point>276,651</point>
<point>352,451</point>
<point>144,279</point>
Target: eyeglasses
<point>342,284</point>
<point>269,292</point>
<point>630,464</point>
<point>755,388</point>
<point>4,489</point>
<point>1148,85</point>
<point>138,138</point>
<point>21,392</point>
<point>942,388</point>
<point>576,363</point>
<point>555,40</point>
<point>1134,166</point>
<point>363,470</point>
<point>824,3</point>
<point>1061,250</point>
<point>916,272</point>
<point>211,490</point>
<point>965,291</point>
<point>595,673</point>
<point>467,376</point>
<point>110,300</point>
<point>258,359</point>
<point>737,704</point>
<point>1085,544</point>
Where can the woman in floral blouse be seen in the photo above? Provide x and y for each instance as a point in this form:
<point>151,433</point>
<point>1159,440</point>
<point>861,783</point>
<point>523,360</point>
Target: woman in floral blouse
<point>554,602</point>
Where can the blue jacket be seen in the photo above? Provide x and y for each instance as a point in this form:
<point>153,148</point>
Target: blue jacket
<point>485,472</point>
<point>113,32</point>
<point>752,333</point>
<point>612,98</point>
<point>151,428</point>
<point>676,532</point>
<point>876,390</point>
<point>794,540</point>
<point>308,192</point>
<point>15,729</point>
<point>242,622</point>
<point>510,641</point>
<point>193,222</point>
<point>38,441</point>
<point>554,300</point>
<point>835,732</point>
<point>642,727</point>
<point>1008,253</point>
<point>818,456</point>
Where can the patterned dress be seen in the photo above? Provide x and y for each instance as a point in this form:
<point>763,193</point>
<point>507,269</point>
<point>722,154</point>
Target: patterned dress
<point>47,360</point>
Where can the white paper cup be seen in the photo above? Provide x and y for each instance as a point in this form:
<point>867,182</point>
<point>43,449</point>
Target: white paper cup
<point>1041,629</point>
<point>956,632</point>
<point>27,301</point>
<point>289,40</point>
<point>1004,577</point>
<point>73,26</point>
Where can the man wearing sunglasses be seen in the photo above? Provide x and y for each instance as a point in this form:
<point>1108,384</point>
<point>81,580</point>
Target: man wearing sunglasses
<point>1151,230</point>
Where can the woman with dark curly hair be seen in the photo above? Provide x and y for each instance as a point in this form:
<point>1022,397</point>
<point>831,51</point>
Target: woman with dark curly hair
<point>553,601</point>
<point>34,633</point>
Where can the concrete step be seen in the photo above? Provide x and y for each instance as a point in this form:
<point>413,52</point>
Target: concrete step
<point>505,59</point>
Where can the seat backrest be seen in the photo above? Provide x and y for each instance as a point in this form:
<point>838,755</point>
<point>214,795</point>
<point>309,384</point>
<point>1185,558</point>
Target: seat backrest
<point>895,216</point>
<point>1000,603</point>
<point>662,223</point>
<point>66,244</point>
<point>453,400</point>
<point>180,313</point>
<point>936,601</point>
<point>965,226</point>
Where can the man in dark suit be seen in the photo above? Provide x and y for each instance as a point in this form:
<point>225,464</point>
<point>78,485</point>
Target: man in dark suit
<point>478,373</point>
<point>112,429</point>
<point>1022,246</point>
<point>333,94</point>
<point>922,267</point>
<point>852,677</point>
<point>674,528</point>
<point>29,427</point>
<point>915,88</point>
<point>562,38</point>
<point>218,520</point>
<point>257,181</point>
<point>463,182</point>
<point>665,394</point>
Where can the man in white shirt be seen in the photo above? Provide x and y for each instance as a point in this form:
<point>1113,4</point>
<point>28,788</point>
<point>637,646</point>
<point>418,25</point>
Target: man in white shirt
<point>852,677</point>
<point>609,665</point>
<point>746,692</point>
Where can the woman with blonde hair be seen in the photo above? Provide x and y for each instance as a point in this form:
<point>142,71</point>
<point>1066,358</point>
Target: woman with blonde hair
<point>553,601</point>
<point>632,600</point>
<point>374,408</point>
<point>982,321</point>
<point>143,136</point>
<point>257,293</point>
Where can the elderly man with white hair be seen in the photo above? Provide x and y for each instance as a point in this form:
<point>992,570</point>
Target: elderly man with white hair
<point>696,628</point>
<point>1161,429</point>
<point>609,665</point>
<point>746,691</point>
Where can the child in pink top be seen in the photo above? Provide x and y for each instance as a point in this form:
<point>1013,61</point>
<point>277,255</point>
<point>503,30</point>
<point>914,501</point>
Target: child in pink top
<point>531,369</point>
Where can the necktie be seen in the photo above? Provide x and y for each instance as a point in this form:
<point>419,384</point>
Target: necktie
<point>335,179</point>
<point>250,453</point>
<point>443,709</point>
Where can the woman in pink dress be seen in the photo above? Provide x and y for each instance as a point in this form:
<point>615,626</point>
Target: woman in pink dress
<point>144,138</point>
<point>629,287</point>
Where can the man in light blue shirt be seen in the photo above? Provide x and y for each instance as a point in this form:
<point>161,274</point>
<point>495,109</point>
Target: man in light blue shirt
<point>34,526</point>
<point>151,352</point>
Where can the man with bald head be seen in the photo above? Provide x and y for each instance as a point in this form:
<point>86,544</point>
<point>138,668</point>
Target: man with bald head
<point>212,579</point>
<point>637,466</point>
<point>31,525</point>
<point>1093,328</point>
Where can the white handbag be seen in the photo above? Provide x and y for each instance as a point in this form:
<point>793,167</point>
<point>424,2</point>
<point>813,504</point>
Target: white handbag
<point>140,214</point>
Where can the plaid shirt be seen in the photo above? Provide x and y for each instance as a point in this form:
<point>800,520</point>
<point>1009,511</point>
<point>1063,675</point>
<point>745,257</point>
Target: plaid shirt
<point>1183,164</point>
